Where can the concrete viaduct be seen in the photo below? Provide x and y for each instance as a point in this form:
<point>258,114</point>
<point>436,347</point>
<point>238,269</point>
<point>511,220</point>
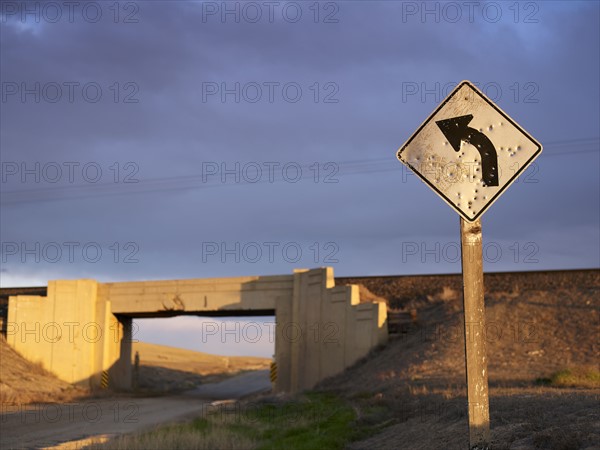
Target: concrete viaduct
<point>82,330</point>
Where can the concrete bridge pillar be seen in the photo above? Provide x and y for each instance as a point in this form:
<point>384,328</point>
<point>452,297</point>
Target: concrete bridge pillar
<point>69,332</point>
<point>323,329</point>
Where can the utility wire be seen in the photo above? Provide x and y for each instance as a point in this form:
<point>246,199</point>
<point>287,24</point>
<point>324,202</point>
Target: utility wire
<point>199,181</point>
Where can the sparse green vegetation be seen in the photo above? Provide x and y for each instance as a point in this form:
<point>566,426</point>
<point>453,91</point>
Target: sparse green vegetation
<point>179,437</point>
<point>573,377</point>
<point>316,420</point>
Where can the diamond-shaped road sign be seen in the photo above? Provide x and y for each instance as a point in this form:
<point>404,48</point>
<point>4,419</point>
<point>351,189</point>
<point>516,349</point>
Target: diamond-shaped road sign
<point>469,151</point>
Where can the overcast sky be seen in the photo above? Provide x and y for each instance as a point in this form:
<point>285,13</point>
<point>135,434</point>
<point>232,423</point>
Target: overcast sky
<point>117,123</point>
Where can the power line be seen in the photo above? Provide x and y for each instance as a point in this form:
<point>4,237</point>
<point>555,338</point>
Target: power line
<point>199,181</point>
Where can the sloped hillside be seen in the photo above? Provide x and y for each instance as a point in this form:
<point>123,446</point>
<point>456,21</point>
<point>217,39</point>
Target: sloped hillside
<point>543,351</point>
<point>162,369</point>
<point>170,369</point>
<point>23,382</point>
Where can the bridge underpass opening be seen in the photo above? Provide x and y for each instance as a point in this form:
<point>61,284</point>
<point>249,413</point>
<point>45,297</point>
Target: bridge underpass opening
<point>220,336</point>
<point>186,351</point>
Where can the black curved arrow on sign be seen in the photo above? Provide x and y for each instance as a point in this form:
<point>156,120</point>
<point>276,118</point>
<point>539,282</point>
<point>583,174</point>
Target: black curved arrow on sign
<point>457,129</point>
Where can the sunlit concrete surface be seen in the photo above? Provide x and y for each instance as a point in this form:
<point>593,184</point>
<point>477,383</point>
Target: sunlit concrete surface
<point>81,331</point>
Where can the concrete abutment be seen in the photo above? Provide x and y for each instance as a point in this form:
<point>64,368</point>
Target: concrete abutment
<point>82,330</point>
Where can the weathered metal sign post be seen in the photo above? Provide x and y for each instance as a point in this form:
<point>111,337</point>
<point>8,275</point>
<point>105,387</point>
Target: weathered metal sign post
<point>469,151</point>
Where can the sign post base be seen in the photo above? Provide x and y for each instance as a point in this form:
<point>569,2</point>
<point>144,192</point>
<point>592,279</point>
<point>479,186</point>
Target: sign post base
<point>475,348</point>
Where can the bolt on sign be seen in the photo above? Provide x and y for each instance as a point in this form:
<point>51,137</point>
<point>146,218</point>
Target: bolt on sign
<point>469,151</point>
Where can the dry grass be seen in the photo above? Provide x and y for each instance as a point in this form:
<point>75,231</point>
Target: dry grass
<point>164,370</point>
<point>23,382</point>
<point>415,387</point>
<point>447,295</point>
<point>169,369</point>
<point>176,438</point>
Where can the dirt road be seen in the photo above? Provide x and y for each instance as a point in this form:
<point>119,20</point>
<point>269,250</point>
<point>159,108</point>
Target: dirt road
<point>61,425</point>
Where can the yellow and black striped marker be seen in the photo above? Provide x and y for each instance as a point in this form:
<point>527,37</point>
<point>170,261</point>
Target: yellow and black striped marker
<point>104,380</point>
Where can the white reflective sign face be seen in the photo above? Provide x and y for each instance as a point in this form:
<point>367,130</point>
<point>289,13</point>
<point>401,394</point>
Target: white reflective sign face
<point>469,151</point>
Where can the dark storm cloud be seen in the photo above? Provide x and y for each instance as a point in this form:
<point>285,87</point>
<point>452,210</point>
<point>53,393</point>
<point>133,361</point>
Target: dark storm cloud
<point>368,57</point>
